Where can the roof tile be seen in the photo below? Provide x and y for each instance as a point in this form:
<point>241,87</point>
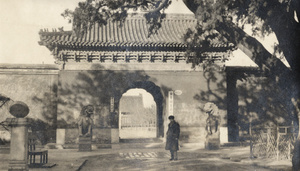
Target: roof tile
<point>134,32</point>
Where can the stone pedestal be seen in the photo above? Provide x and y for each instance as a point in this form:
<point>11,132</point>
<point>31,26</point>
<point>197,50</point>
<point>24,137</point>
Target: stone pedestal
<point>212,142</point>
<point>85,143</point>
<point>18,144</point>
<point>60,136</point>
<point>223,135</point>
<point>115,135</point>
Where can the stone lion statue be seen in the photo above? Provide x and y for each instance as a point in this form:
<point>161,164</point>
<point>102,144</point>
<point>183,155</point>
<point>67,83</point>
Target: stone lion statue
<point>213,119</point>
<point>212,126</point>
<point>85,122</point>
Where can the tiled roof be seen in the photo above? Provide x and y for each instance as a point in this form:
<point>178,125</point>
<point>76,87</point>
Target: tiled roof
<point>133,33</point>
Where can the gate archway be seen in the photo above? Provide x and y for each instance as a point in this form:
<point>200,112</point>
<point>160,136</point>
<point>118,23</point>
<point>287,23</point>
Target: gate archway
<point>137,115</point>
<point>154,125</point>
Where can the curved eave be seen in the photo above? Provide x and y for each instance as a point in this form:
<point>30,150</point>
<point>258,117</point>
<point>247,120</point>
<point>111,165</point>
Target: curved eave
<point>82,45</point>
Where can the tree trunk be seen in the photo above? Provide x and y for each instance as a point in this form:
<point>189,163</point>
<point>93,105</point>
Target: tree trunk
<point>252,48</point>
<point>296,153</point>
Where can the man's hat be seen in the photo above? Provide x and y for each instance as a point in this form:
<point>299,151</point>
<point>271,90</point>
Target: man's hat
<point>171,117</point>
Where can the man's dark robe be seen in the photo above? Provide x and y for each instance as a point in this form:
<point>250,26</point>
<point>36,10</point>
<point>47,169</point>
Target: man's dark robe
<point>173,136</point>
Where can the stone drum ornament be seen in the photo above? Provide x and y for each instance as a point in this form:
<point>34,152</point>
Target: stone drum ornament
<point>19,109</point>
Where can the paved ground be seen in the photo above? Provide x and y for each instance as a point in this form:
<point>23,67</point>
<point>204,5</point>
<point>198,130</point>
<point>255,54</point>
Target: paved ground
<point>155,158</point>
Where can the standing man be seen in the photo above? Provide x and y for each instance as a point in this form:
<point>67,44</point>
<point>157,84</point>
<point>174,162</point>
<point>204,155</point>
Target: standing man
<point>172,137</point>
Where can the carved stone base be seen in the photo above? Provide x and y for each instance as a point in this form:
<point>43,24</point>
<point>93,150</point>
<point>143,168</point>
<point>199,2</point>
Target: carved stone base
<point>212,142</point>
<point>17,166</point>
<point>85,144</point>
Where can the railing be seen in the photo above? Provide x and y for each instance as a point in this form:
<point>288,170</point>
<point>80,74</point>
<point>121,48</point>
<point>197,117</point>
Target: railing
<point>272,142</point>
<point>132,121</point>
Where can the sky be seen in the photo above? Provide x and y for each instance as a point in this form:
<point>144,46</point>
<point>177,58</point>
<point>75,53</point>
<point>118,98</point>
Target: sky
<point>21,20</point>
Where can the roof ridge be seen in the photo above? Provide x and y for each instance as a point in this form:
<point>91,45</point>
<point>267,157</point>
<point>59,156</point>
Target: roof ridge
<point>167,16</point>
<point>45,32</point>
<point>172,16</point>
<point>134,33</point>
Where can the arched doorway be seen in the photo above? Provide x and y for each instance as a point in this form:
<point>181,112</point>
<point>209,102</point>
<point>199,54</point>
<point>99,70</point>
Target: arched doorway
<point>137,115</point>
<point>151,124</point>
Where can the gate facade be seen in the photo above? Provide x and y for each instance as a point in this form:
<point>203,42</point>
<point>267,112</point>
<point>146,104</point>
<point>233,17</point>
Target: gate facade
<point>109,59</point>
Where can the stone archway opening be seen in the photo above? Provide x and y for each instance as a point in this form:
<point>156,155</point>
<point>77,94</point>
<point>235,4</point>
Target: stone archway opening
<point>137,115</point>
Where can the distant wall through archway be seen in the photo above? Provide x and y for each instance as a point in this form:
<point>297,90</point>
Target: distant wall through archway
<point>137,115</point>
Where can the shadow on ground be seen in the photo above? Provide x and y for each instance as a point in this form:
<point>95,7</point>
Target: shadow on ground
<point>155,159</point>
<point>187,161</point>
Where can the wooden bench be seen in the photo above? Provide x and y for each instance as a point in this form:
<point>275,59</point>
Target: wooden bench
<point>33,152</point>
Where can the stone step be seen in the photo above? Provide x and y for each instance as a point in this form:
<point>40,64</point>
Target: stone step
<point>94,146</point>
<point>234,144</point>
<point>47,165</point>
<point>141,145</point>
<point>142,140</point>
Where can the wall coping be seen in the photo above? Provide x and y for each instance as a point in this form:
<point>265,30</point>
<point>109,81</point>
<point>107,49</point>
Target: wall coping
<point>29,69</point>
